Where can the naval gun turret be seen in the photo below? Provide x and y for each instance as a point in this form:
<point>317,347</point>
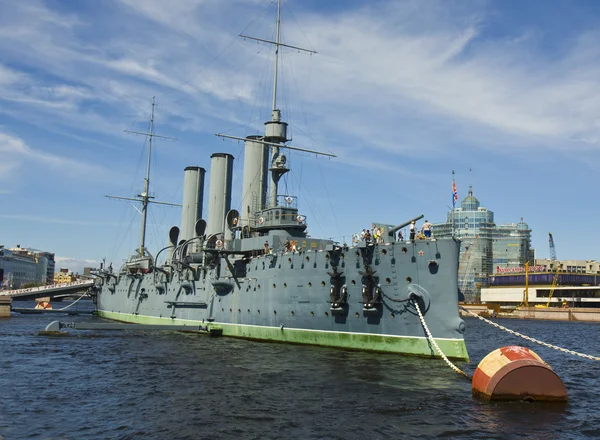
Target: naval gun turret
<point>392,231</point>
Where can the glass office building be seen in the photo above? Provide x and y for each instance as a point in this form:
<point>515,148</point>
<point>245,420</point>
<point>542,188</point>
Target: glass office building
<point>485,247</point>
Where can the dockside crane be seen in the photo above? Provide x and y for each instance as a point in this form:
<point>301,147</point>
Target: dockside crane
<point>552,247</point>
<point>553,259</point>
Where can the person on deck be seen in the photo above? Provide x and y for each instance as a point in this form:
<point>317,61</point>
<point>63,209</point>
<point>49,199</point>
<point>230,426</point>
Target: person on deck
<point>412,230</point>
<point>426,228</point>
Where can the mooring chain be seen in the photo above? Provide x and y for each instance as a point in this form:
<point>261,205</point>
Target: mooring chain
<point>529,338</point>
<point>437,348</point>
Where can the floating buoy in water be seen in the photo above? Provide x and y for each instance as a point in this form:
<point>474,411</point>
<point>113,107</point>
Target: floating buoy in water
<point>43,305</point>
<point>517,373</point>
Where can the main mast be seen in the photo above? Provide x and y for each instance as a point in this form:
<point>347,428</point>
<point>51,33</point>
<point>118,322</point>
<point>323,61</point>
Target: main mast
<point>256,198</point>
<point>275,129</point>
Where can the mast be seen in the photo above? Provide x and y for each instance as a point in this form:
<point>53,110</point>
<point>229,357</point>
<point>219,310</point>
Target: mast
<point>145,196</point>
<point>276,130</point>
<point>276,56</point>
<point>274,138</point>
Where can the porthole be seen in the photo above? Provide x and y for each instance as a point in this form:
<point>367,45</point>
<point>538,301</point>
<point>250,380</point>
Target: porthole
<point>312,313</point>
<point>357,315</point>
<point>342,256</point>
<point>274,312</point>
<point>292,313</point>
<point>307,258</point>
<point>388,281</point>
<point>327,257</point>
<point>258,312</point>
<point>353,282</point>
<point>274,285</point>
<point>258,286</point>
<point>239,311</point>
<point>289,260</point>
<point>408,279</point>
<point>309,284</point>
<point>392,316</point>
<point>404,250</point>
<point>222,310</point>
<point>322,283</point>
<point>285,285</point>
<point>326,313</point>
<point>384,251</point>
<point>248,310</point>
<point>230,310</point>
<point>357,253</point>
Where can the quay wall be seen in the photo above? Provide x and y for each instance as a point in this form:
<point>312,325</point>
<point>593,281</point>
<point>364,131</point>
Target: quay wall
<point>5,306</point>
<point>549,314</point>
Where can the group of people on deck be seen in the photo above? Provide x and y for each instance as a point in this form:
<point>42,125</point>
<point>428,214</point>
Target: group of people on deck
<point>290,246</point>
<point>423,234</point>
<point>376,234</point>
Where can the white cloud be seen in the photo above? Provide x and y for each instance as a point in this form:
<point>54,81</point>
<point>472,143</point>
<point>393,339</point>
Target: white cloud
<point>16,153</point>
<point>75,265</point>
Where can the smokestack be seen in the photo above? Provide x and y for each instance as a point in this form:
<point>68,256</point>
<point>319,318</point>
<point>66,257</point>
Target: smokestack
<point>254,191</point>
<point>219,192</point>
<point>191,210</point>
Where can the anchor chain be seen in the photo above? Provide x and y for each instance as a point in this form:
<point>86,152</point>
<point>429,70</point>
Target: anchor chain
<point>529,338</point>
<point>437,348</point>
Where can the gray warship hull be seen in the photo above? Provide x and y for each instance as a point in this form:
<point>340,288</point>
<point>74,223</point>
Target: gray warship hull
<point>286,296</point>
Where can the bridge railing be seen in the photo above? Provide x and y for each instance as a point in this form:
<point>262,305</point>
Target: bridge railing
<point>47,287</point>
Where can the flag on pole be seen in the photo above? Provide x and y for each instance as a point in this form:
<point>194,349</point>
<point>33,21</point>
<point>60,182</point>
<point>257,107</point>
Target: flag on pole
<point>454,194</point>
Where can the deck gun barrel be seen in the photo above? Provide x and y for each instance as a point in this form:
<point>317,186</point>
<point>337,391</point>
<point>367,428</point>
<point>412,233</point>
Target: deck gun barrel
<point>393,230</point>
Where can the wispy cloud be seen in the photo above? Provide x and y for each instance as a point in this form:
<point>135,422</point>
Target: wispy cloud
<point>16,153</point>
<point>62,221</point>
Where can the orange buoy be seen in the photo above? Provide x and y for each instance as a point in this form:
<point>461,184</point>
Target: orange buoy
<point>517,373</point>
<point>43,305</point>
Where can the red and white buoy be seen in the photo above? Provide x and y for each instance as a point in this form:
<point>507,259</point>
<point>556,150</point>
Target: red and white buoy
<point>517,373</point>
<point>43,305</point>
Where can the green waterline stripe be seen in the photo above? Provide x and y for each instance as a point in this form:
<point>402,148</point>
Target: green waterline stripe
<point>173,320</point>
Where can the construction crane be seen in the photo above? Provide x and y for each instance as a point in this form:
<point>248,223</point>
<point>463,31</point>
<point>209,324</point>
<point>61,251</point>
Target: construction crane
<point>552,247</point>
<point>525,302</point>
<point>553,259</point>
<point>558,266</point>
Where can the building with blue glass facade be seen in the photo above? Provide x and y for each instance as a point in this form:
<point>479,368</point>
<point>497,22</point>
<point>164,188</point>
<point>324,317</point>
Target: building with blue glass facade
<point>486,248</point>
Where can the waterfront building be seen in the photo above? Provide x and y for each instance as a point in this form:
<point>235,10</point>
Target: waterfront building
<point>63,276</point>
<point>20,266</point>
<point>571,266</point>
<point>486,248</point>
<point>550,283</point>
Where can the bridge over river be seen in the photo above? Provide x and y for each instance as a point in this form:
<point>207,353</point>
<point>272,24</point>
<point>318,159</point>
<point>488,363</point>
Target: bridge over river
<point>52,290</point>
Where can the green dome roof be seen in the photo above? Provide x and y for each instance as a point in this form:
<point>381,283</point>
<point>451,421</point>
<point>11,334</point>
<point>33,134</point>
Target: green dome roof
<point>470,203</point>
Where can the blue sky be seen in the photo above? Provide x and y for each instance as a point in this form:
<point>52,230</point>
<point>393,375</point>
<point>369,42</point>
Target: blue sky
<point>403,92</point>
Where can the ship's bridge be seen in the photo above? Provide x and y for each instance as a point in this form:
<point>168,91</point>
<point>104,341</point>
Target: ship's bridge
<point>283,216</point>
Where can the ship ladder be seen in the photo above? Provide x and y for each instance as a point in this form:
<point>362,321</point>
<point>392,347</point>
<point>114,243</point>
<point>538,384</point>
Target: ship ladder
<point>529,338</point>
<point>435,345</point>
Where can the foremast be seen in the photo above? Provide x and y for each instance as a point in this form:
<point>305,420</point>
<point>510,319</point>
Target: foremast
<point>145,198</point>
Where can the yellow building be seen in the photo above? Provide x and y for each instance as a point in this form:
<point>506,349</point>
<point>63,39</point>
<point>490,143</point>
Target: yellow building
<point>64,276</point>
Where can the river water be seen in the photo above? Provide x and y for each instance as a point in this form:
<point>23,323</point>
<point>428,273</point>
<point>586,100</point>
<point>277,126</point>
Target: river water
<point>169,385</point>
